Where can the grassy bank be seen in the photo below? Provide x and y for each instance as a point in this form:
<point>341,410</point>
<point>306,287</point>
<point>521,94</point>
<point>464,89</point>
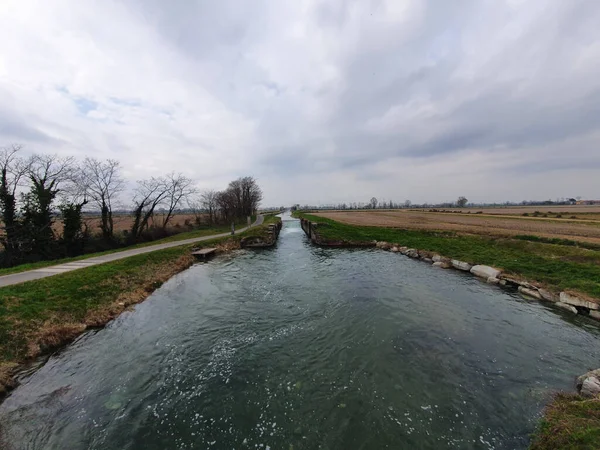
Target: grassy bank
<point>40,315</point>
<point>558,267</point>
<point>570,423</point>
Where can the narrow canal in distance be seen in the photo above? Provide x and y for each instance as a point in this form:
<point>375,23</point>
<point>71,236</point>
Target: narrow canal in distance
<point>299,347</point>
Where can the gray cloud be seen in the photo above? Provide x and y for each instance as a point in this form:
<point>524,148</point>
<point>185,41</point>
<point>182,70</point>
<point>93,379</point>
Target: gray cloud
<point>398,99</point>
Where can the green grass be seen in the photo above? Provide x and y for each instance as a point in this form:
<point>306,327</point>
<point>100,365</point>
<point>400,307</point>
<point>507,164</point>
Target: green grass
<point>558,241</point>
<point>176,237</point>
<point>570,423</point>
<point>556,266</point>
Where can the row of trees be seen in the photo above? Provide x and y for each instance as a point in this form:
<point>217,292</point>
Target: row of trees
<point>461,202</point>
<point>239,200</point>
<point>36,190</point>
<point>376,204</point>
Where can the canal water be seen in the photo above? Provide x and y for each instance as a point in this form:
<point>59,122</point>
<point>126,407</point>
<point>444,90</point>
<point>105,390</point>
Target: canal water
<point>299,347</point>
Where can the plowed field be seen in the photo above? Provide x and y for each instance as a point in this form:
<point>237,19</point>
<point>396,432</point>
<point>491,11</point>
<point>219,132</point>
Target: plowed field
<point>482,224</point>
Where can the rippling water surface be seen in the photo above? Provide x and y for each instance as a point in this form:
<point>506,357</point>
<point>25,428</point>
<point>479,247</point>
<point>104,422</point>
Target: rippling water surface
<point>299,347</point>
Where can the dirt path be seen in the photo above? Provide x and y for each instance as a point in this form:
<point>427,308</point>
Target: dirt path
<point>22,277</point>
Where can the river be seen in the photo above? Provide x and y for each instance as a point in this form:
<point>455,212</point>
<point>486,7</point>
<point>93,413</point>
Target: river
<point>299,347</point>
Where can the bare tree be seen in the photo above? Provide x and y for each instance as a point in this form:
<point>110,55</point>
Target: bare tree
<point>251,196</point>
<point>148,195</point>
<point>179,188</point>
<point>407,203</point>
<point>461,202</point>
<point>209,203</point>
<point>103,183</point>
<point>12,170</point>
<point>226,204</point>
<point>373,203</point>
<point>240,199</point>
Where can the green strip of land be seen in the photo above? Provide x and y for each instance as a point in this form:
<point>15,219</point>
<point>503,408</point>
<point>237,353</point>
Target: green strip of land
<point>558,267</point>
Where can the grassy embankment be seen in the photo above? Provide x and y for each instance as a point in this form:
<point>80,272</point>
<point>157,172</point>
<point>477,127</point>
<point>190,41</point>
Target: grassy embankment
<point>40,315</point>
<point>570,422</point>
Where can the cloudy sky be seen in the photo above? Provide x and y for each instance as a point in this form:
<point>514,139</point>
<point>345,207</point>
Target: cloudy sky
<point>322,101</point>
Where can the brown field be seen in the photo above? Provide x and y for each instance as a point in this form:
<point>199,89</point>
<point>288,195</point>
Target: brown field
<point>124,222</point>
<point>482,224</point>
<point>590,212</point>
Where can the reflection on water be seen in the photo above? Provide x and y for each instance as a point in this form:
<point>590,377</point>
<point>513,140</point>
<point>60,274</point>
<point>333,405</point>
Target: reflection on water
<point>298,347</point>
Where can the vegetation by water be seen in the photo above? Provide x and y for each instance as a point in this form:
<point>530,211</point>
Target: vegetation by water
<point>570,423</point>
<point>46,313</point>
<point>557,266</point>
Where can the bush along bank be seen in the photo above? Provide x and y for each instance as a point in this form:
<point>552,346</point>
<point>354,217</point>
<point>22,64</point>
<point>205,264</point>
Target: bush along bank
<point>570,421</point>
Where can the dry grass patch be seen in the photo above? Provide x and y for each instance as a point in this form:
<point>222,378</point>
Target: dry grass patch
<point>570,423</point>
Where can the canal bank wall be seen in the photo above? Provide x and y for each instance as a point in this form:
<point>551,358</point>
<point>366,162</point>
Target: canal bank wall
<point>311,229</point>
<point>267,238</point>
<point>568,301</point>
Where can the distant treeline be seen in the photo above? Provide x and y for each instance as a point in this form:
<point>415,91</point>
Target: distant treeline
<point>460,203</point>
<point>38,190</point>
